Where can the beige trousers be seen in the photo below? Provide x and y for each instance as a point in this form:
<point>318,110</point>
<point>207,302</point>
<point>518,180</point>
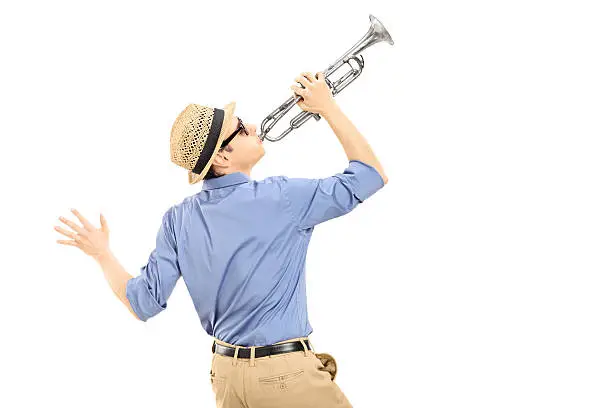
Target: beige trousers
<point>298,379</point>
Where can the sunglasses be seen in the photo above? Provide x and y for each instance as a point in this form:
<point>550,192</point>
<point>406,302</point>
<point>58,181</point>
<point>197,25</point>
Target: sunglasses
<point>241,128</point>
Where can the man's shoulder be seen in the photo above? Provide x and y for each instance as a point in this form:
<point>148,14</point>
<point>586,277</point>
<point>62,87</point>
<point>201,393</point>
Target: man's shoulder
<point>284,182</point>
<point>176,210</point>
<point>272,180</point>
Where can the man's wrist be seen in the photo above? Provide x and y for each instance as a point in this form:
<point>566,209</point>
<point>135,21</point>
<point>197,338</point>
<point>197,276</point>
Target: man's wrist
<point>331,110</point>
<point>103,256</point>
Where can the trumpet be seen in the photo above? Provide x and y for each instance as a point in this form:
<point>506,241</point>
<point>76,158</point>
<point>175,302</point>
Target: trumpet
<point>377,33</point>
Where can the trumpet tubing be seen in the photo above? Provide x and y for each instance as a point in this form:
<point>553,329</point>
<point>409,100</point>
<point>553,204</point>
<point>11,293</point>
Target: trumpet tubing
<point>376,33</point>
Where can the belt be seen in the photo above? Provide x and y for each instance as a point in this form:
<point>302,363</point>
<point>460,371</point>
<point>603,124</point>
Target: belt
<point>260,351</point>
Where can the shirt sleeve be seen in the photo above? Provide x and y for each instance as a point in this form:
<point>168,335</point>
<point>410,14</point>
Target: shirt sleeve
<point>313,201</point>
<point>149,292</point>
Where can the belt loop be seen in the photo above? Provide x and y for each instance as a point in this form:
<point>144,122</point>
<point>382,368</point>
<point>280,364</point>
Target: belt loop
<point>305,348</point>
<point>252,362</point>
<point>235,360</point>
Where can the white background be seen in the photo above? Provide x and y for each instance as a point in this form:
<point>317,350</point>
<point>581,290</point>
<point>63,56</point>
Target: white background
<point>480,276</point>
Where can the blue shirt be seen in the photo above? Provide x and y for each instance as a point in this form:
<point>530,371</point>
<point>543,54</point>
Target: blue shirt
<point>240,246</point>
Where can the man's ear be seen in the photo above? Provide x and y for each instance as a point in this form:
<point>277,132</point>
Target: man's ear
<point>220,160</point>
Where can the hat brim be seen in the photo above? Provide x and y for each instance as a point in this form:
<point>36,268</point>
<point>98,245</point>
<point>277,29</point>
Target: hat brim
<point>227,119</point>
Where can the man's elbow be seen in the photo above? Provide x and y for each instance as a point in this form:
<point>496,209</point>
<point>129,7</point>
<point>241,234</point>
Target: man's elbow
<point>135,315</point>
<point>383,176</point>
<point>129,307</point>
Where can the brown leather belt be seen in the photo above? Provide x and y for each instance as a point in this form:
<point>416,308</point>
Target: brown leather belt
<point>260,351</point>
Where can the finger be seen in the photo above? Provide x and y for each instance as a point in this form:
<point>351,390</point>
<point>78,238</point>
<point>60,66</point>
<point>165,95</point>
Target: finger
<point>65,232</point>
<point>83,220</point>
<point>103,223</point>
<point>308,75</point>
<point>72,225</point>
<point>320,76</point>
<point>305,82</point>
<point>298,90</point>
<point>67,242</point>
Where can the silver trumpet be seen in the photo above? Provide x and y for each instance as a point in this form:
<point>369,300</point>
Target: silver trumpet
<point>375,34</point>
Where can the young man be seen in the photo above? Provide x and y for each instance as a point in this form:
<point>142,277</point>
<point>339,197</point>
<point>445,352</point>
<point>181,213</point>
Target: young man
<point>240,246</point>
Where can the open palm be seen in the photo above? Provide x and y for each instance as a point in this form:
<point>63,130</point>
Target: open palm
<point>91,240</point>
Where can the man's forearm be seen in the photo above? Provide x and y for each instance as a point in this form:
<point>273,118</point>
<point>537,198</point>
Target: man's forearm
<point>117,278</point>
<point>354,143</point>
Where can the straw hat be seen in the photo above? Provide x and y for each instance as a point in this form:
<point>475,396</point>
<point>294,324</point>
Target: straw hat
<point>196,136</point>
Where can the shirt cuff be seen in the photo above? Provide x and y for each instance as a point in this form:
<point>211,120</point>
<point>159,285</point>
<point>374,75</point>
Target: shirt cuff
<point>367,179</point>
<point>141,299</point>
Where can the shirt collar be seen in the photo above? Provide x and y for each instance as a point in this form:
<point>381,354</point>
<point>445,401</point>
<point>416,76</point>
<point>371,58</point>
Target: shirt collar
<point>231,179</point>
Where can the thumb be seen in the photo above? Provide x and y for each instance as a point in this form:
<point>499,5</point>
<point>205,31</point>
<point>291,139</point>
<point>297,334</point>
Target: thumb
<point>320,75</point>
<point>103,223</point>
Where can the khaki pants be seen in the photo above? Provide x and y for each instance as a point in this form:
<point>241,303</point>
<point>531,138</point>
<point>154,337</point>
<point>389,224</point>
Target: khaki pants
<point>299,379</point>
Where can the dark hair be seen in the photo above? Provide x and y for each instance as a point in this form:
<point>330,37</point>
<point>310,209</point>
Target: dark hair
<point>211,173</point>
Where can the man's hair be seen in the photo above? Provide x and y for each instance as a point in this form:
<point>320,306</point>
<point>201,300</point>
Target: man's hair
<point>211,173</point>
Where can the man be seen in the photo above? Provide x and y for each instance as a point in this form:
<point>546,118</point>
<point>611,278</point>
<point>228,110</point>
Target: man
<point>240,246</point>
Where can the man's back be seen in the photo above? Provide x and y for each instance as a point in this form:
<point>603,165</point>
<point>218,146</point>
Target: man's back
<point>240,245</point>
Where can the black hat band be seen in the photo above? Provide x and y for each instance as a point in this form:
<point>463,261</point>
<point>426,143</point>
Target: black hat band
<point>211,141</point>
